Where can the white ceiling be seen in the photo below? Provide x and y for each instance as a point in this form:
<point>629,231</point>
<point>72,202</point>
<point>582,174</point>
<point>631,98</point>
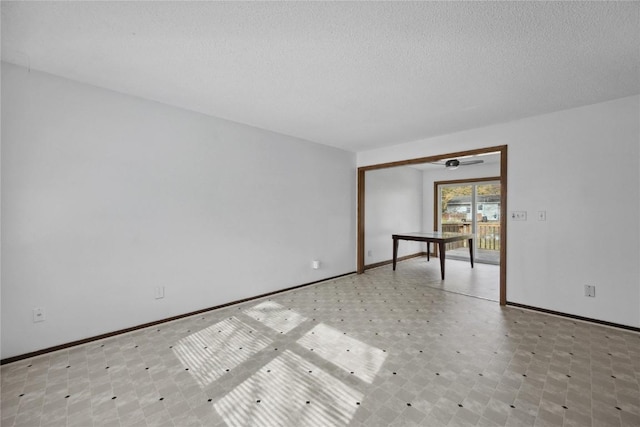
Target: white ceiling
<point>351,75</point>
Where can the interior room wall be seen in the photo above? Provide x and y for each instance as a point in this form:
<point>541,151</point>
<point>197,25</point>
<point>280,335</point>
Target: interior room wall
<point>106,197</point>
<point>582,167</point>
<point>488,170</point>
<point>393,204</point>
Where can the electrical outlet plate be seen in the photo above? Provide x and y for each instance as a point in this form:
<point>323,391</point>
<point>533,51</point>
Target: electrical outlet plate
<point>159,292</point>
<point>589,291</point>
<point>542,215</point>
<point>38,315</point>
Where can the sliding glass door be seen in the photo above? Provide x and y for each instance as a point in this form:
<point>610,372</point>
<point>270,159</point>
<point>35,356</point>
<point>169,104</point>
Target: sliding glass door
<point>471,207</point>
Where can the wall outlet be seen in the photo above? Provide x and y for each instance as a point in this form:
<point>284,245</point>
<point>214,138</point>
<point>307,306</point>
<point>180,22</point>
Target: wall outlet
<point>38,315</point>
<point>519,215</point>
<point>542,215</point>
<point>159,292</point>
<point>590,291</point>
<point>369,253</point>
<point>315,264</point>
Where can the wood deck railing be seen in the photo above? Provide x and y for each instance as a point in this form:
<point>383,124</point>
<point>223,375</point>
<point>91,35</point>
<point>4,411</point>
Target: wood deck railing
<point>488,235</point>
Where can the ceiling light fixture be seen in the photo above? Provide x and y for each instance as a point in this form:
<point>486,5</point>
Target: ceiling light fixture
<point>452,164</point>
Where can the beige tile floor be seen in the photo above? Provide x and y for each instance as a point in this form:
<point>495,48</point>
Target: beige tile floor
<point>380,349</point>
<point>482,281</point>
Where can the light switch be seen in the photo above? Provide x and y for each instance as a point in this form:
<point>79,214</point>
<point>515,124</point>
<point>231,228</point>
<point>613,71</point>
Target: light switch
<point>519,215</point>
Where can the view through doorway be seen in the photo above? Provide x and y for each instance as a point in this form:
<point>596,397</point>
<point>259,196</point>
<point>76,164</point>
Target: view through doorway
<point>501,150</point>
<point>471,206</point>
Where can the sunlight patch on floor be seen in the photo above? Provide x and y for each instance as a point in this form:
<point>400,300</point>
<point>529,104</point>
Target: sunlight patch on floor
<point>212,352</point>
<point>275,316</point>
<point>350,354</point>
<point>289,391</point>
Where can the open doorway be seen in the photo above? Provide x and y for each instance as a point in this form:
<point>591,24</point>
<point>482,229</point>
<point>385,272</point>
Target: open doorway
<point>502,179</point>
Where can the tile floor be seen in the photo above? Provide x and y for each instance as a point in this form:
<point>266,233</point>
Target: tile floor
<point>482,281</point>
<point>380,349</point>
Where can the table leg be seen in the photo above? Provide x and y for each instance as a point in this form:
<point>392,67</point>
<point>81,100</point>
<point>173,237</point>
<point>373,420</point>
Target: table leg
<point>428,250</point>
<point>442,249</point>
<point>471,251</point>
<point>395,253</point>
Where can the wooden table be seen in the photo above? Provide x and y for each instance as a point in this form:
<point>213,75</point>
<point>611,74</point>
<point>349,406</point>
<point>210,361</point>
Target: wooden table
<point>436,237</point>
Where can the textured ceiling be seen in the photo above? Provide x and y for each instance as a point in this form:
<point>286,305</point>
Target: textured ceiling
<point>352,75</point>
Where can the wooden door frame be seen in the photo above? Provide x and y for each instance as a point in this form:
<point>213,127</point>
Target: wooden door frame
<point>502,149</point>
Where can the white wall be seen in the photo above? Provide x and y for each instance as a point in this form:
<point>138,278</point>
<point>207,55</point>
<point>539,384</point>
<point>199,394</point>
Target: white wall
<point>488,170</point>
<point>105,196</point>
<point>581,166</point>
<point>393,204</point>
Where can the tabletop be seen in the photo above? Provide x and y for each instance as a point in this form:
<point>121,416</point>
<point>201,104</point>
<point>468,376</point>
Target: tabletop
<point>436,235</point>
